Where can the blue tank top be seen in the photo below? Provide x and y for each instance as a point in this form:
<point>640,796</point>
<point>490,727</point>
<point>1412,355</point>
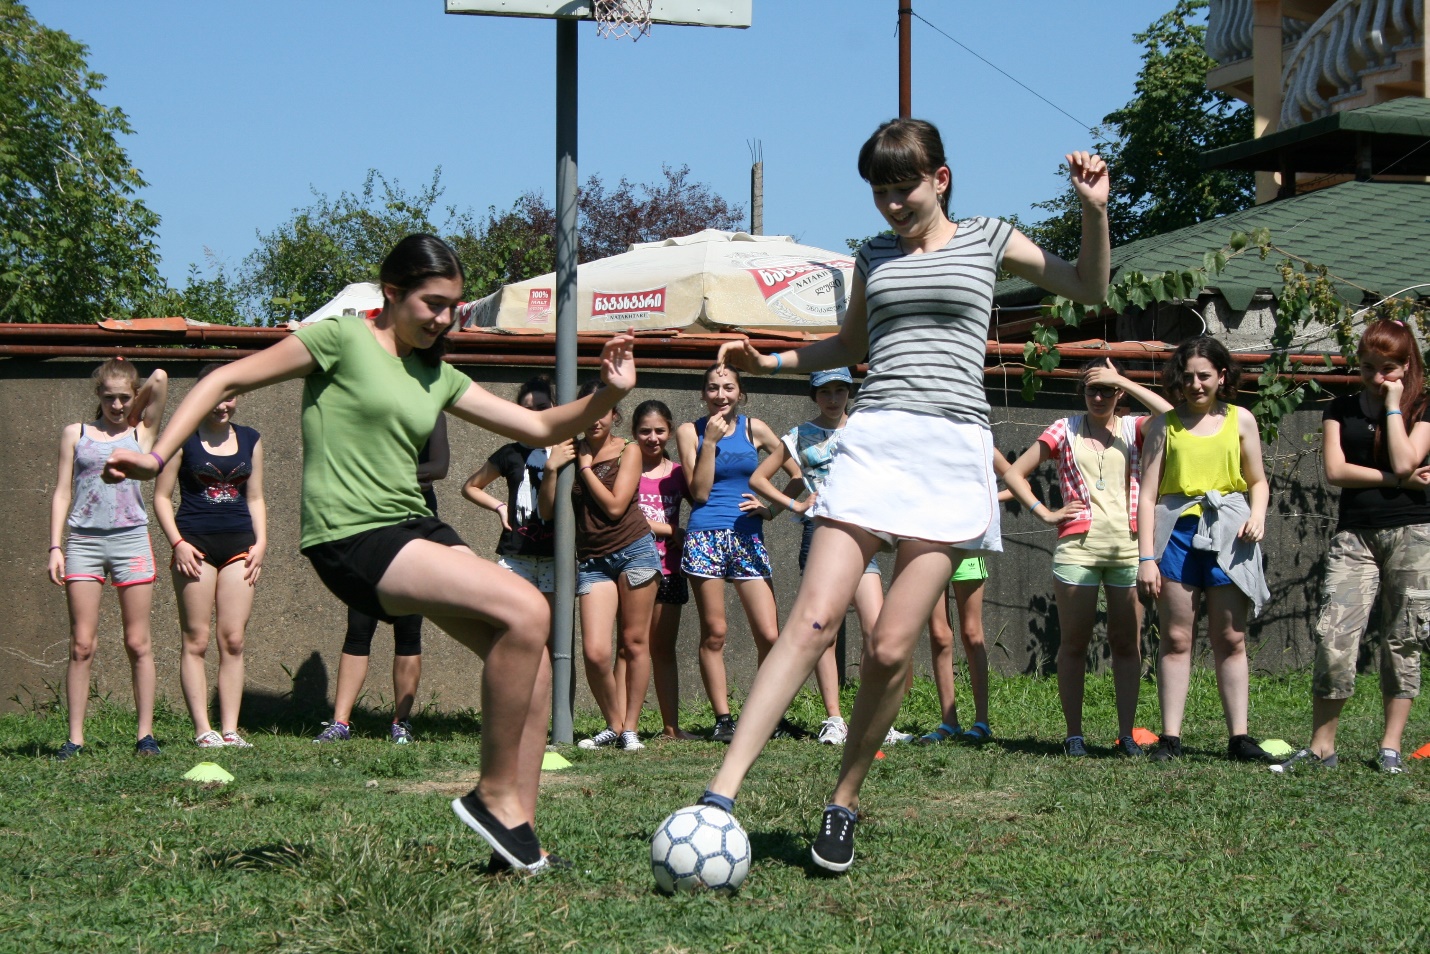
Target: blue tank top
<point>735,460</point>
<point>99,506</point>
<point>213,489</point>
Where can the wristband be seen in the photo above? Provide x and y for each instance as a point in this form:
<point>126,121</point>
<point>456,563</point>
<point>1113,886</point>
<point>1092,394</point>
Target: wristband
<point>155,455</point>
<point>1035,506</point>
<point>1396,411</point>
<point>56,546</point>
<point>500,505</point>
<point>779,362</point>
<point>1143,559</point>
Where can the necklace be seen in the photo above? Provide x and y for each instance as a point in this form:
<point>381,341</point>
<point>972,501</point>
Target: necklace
<point>1101,484</point>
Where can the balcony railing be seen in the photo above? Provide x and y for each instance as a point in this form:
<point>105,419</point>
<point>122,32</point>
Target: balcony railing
<point>1352,42</point>
<point>1229,30</point>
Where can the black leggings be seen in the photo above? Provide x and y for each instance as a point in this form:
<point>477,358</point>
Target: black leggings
<point>406,635</point>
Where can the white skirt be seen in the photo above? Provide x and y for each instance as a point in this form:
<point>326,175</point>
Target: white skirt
<point>914,476</point>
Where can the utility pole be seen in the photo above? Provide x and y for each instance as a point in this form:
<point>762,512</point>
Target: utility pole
<point>905,59</point>
<point>757,187</point>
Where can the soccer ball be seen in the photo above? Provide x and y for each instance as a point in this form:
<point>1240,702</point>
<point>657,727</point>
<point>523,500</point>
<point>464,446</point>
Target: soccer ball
<point>700,847</point>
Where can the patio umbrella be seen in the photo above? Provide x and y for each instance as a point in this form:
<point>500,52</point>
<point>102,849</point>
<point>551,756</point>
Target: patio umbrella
<point>717,279</point>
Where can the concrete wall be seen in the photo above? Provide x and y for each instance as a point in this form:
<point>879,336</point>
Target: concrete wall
<point>296,631</point>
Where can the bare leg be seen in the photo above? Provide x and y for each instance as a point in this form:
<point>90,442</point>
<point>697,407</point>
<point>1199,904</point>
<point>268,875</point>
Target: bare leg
<point>406,677</point>
<point>196,599</point>
<point>1077,614</point>
<point>1177,614</point>
<point>710,603</point>
<point>598,617</point>
<point>636,607</point>
<point>920,574</point>
<point>234,605</point>
<point>1397,714</point>
<point>1124,638</point>
<point>665,628</point>
<point>135,603</point>
<point>1226,627</point>
<point>1326,717</point>
<point>352,672</point>
<point>968,596</point>
<point>83,598</point>
<point>533,741</point>
<point>941,653</point>
<point>758,599</point>
<point>837,559</point>
<point>826,677</point>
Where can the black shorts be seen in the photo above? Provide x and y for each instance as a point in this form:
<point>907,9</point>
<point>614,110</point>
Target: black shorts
<point>221,549</point>
<point>351,567</point>
<point>674,590</point>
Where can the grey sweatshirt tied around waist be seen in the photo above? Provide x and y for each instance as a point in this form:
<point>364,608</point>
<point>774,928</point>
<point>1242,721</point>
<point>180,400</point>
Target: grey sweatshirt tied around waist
<point>1222,518</point>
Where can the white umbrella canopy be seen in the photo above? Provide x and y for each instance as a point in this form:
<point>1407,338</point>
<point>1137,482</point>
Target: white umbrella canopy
<point>716,279</point>
<point>352,300</point>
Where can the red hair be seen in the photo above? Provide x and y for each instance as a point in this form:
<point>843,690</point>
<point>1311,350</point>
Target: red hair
<point>1394,340</point>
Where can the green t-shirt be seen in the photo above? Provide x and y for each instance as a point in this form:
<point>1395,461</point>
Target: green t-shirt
<point>366,415</point>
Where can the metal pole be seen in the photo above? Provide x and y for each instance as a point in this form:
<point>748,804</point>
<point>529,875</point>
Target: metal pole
<point>562,683</point>
<point>905,60</point>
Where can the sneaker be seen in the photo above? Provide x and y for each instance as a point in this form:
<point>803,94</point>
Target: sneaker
<point>1243,748</point>
<point>833,731</point>
<point>1390,763</point>
<point>1127,747</point>
<point>833,848</point>
<point>146,746</point>
<point>1304,757</point>
<point>1075,747</point>
<point>605,737</point>
<point>334,732</point>
<point>1169,748</point>
<point>496,864</point>
<point>68,751</point>
<point>235,741</point>
<point>724,730</point>
<point>210,740</point>
<point>517,846</point>
<point>895,737</point>
<point>401,733</point>
<point>630,742</point>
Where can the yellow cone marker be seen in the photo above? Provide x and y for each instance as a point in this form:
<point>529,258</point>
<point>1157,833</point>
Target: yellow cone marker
<point>208,772</point>
<point>552,761</point>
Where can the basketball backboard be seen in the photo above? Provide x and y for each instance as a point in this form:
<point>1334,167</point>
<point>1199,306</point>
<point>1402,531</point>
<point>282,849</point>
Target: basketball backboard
<point>716,13</point>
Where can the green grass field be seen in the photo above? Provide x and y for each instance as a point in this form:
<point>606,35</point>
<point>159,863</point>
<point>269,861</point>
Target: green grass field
<point>353,848</point>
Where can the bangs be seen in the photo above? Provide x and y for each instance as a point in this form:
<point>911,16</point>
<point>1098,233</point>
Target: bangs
<point>889,157</point>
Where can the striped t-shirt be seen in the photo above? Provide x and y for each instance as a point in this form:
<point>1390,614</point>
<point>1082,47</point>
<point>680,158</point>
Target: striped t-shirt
<point>928,321</point>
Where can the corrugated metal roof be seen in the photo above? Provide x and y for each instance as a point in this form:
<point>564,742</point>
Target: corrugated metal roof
<point>1375,235</point>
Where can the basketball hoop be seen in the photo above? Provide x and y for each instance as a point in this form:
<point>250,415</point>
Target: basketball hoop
<point>621,18</point>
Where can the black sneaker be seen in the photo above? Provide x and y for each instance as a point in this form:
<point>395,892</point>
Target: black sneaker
<point>1306,758</point>
<point>496,864</point>
<point>1127,747</point>
<point>146,746</point>
<point>724,730</point>
<point>833,848</point>
<point>1169,748</point>
<point>1243,748</point>
<point>1075,747</point>
<point>68,751</point>
<point>518,846</point>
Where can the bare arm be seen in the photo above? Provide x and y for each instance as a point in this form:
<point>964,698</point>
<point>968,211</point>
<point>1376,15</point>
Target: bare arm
<point>474,491</point>
<point>847,347</point>
<point>698,458</point>
<point>146,411</point>
<point>1023,492</point>
<point>768,441</point>
<point>60,503</point>
<point>1107,376</point>
<point>258,510</point>
<point>1086,281</point>
<point>1253,471</point>
<point>1149,576</point>
<point>761,482</point>
<point>622,495</point>
<point>560,455</point>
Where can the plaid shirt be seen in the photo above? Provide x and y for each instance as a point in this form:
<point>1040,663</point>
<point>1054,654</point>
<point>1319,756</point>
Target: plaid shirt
<point>1059,439</point>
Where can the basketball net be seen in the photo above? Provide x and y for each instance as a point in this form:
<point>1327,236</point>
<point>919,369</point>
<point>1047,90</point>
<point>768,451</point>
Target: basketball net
<point>622,18</point>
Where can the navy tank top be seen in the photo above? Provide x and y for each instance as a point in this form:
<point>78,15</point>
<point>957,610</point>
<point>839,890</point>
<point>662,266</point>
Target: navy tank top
<point>213,489</point>
<point>735,460</point>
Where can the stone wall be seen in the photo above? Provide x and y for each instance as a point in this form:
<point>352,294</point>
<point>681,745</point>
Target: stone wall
<point>297,627</point>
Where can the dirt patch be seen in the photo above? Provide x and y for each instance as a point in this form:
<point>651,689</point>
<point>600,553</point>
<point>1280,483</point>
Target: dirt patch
<point>462,782</point>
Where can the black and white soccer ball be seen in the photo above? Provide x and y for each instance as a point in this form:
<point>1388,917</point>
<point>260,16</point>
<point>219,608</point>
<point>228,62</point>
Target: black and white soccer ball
<point>700,847</point>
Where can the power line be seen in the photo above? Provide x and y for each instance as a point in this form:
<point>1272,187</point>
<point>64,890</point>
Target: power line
<point>1000,69</point>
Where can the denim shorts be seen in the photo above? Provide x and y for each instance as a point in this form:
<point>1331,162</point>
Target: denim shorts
<point>1196,568</point>
<point>873,566</point>
<point>639,561</point>
<point>725,555</point>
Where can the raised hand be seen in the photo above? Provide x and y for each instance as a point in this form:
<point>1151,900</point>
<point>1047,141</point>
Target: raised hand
<point>743,355</point>
<point>1390,393</point>
<point>618,363</point>
<point>1104,375</point>
<point>718,426</point>
<point>1089,177</point>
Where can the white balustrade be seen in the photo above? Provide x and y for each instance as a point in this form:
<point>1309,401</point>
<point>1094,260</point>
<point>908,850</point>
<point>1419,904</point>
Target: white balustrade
<point>1349,42</point>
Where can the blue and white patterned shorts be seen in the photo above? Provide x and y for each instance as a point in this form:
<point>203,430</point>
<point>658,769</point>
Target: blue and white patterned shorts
<point>725,555</point>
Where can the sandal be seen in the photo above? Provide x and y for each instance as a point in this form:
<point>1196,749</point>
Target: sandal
<point>943,733</point>
<point>979,734</point>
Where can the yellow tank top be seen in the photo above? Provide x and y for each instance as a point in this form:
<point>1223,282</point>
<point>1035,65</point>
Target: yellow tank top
<point>1192,465</point>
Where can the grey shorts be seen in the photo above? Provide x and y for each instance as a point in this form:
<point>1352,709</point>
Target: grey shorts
<point>124,556</point>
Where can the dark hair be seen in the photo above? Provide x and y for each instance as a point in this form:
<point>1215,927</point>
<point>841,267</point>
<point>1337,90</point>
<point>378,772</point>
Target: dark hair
<point>814,391</point>
<point>410,264</point>
<point>591,387</point>
<point>207,370</point>
<point>1203,347</point>
<point>115,367</point>
<point>903,149</point>
<point>646,408</point>
<point>1394,340</point>
<point>1091,363</point>
<point>733,371</point>
<point>540,384</point>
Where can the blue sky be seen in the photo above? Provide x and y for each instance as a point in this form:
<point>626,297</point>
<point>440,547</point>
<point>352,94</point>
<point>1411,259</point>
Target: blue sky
<point>239,108</point>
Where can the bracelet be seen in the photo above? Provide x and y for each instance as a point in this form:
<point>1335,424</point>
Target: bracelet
<point>56,546</point>
<point>1143,559</point>
<point>155,455</point>
<point>779,362</point>
<point>1396,411</point>
<point>1035,506</point>
<point>500,505</point>
<point>587,467</point>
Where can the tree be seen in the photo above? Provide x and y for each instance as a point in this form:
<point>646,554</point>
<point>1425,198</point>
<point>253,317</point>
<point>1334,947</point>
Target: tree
<point>1154,152</point>
<point>74,243</point>
<point>610,222</point>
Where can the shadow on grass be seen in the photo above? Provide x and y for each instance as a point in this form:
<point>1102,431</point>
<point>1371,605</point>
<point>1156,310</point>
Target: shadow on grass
<point>1027,745</point>
<point>783,846</point>
<point>282,854</point>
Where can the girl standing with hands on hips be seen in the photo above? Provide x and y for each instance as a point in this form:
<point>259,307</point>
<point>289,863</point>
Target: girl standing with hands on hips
<point>1202,504</point>
<point>108,538</point>
<point>218,537</point>
<point>919,308</point>
<point>373,387</point>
